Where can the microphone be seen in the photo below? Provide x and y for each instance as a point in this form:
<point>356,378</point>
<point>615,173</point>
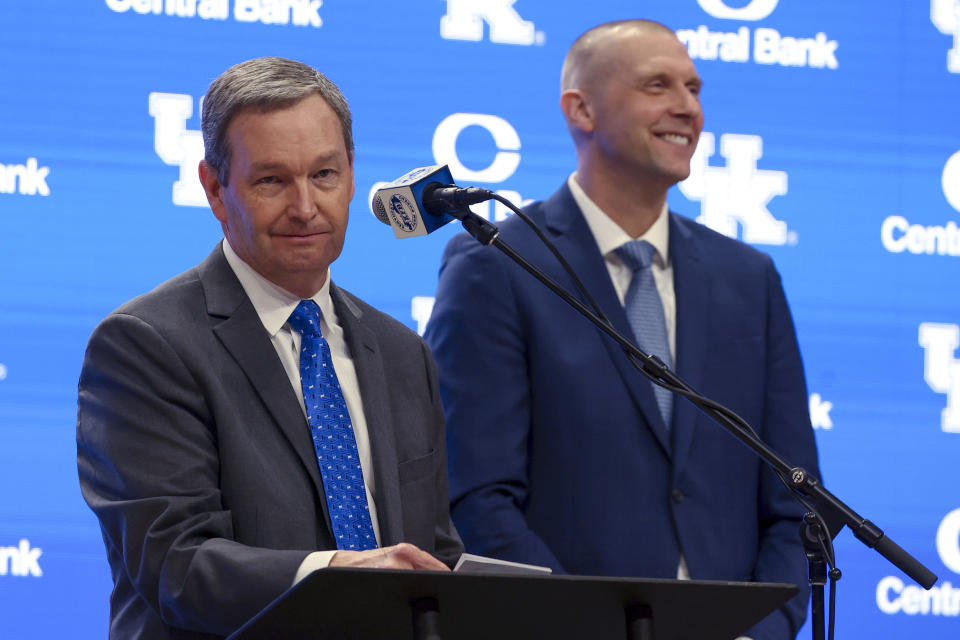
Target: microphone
<point>441,199</point>
<point>423,200</point>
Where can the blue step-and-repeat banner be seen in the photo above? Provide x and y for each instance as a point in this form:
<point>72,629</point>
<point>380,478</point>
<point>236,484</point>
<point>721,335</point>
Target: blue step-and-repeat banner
<point>832,141</point>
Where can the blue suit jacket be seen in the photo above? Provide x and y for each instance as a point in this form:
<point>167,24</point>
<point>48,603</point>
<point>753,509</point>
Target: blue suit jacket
<point>558,454</point>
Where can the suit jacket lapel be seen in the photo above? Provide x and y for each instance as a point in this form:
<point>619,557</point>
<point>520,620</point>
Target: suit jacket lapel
<point>575,241</point>
<point>371,375</point>
<point>242,334</point>
<point>691,282</point>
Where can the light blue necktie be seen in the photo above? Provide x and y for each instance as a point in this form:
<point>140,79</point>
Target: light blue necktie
<point>332,432</point>
<point>645,313</point>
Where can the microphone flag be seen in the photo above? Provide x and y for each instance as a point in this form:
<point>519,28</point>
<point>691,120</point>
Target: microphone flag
<point>400,203</point>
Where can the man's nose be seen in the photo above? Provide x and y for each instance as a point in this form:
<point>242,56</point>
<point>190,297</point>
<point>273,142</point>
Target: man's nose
<point>301,203</point>
<point>687,103</point>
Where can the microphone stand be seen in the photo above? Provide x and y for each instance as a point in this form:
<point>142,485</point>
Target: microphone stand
<point>820,525</point>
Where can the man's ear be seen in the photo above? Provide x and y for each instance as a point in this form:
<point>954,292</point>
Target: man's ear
<point>576,109</point>
<point>213,189</point>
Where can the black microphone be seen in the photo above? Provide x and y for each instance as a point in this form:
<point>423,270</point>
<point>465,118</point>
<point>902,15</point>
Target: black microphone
<point>439,199</point>
<point>423,200</point>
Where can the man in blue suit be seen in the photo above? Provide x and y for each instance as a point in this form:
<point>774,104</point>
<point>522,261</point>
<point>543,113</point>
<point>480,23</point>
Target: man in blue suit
<point>561,453</point>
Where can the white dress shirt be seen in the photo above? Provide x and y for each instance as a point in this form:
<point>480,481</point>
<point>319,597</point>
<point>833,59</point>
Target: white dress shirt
<point>274,306</point>
<point>609,236</point>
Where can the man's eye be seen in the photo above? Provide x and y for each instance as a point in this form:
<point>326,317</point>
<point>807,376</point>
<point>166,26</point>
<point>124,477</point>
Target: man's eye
<point>268,180</point>
<point>324,173</point>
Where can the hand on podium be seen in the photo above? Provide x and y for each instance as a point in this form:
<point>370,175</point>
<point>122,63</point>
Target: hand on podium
<point>401,556</point>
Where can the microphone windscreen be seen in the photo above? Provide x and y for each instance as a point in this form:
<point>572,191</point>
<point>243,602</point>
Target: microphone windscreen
<point>378,209</point>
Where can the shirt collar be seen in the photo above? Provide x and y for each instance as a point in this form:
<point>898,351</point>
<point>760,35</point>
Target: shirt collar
<point>609,235</point>
<point>273,303</point>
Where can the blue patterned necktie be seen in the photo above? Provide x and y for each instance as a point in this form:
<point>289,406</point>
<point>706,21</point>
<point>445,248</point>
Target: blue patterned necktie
<point>645,313</point>
<point>332,432</point>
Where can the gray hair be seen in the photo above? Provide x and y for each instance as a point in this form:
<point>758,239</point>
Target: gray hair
<point>267,84</point>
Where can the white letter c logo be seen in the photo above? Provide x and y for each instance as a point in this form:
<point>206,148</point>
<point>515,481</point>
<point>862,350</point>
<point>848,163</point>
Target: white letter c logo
<point>950,180</point>
<point>948,541</point>
<point>505,162</point>
<point>756,10</point>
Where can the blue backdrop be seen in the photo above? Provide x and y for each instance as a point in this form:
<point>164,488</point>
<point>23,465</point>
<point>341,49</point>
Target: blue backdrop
<point>831,141</point>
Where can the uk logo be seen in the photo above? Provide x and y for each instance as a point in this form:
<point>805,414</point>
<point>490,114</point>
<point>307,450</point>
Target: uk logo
<point>941,369</point>
<point>737,196</point>
<point>465,19</point>
<point>945,15</point>
<point>755,10</point>
<point>178,146</point>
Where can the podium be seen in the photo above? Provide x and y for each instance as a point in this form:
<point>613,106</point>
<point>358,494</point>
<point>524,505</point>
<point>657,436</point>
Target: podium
<point>377,604</point>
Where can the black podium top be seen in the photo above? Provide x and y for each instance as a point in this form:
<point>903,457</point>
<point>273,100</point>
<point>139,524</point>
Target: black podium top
<point>376,604</point>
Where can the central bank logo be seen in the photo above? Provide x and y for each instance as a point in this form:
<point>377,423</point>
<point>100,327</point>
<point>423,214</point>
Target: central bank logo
<point>501,167</point>
<point>299,13</point>
<point>755,10</point>
<point>735,197</point>
<point>465,20</point>
<point>897,234</point>
<point>945,15</point>
<point>21,560</point>
<point>27,179</point>
<point>505,160</point>
<point>764,45</point>
<point>178,146</point>
<point>893,596</point>
<point>948,541</point>
<point>941,369</point>
<point>950,178</point>
<point>820,412</point>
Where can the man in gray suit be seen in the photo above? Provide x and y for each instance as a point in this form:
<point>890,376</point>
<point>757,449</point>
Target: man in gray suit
<point>213,482</point>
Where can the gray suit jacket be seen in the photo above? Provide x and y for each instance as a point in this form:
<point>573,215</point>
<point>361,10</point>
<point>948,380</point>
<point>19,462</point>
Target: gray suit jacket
<point>196,457</point>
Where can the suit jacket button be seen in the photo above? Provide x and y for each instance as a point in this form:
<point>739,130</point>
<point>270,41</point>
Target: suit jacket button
<point>678,495</point>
